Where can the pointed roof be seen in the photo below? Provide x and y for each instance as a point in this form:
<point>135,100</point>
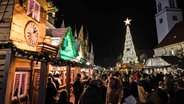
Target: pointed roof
<point>86,46</point>
<point>164,61</point>
<point>176,35</point>
<point>75,33</point>
<point>173,60</point>
<point>63,24</point>
<point>81,52</point>
<point>91,55</point>
<point>81,34</point>
<point>87,39</point>
<point>67,49</point>
<point>91,51</point>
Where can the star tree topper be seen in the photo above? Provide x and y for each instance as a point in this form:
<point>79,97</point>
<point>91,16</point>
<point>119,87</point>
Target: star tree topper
<point>127,21</point>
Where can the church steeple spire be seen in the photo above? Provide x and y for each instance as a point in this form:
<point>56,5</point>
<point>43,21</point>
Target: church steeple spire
<point>81,34</point>
<point>63,24</point>
<point>75,33</point>
<point>92,55</point>
<point>129,54</point>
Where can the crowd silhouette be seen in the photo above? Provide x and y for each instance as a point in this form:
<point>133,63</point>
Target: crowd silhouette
<point>115,87</point>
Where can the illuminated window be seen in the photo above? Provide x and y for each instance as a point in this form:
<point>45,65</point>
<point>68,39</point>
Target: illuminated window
<point>20,85</point>
<point>33,9</point>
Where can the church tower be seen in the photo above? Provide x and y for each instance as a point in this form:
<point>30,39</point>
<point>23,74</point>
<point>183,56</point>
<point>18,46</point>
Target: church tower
<point>129,55</point>
<point>166,17</point>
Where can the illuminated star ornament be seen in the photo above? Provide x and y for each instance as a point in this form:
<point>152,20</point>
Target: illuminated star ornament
<point>127,21</point>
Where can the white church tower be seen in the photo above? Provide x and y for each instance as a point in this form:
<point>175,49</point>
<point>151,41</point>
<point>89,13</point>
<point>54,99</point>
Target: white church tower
<point>166,17</point>
<point>129,54</point>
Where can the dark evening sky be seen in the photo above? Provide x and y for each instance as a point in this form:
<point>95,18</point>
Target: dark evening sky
<point>104,21</point>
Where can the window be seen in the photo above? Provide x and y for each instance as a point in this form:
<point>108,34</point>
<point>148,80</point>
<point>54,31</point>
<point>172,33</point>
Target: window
<point>174,18</point>
<point>159,7</point>
<point>3,56</point>
<point>20,85</point>
<point>171,3</point>
<point>33,9</point>
<point>37,79</point>
<point>161,20</point>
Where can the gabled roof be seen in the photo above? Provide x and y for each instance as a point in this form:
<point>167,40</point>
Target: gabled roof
<point>175,35</point>
<point>172,60</point>
<point>165,61</point>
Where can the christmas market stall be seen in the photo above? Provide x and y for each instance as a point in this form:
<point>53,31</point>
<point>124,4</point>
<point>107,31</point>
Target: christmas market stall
<point>164,64</point>
<point>24,57</point>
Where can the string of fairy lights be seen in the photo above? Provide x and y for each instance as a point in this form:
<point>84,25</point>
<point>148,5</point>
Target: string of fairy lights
<point>42,57</point>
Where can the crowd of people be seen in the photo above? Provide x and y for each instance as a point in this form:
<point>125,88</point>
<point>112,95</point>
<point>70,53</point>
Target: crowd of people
<point>53,95</point>
<point>115,87</point>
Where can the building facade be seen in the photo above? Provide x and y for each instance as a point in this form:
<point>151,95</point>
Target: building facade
<point>170,49</point>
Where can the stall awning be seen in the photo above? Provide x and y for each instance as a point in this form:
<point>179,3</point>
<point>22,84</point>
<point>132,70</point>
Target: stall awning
<point>163,61</point>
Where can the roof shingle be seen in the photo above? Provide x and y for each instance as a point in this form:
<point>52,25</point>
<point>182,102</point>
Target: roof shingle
<point>176,35</point>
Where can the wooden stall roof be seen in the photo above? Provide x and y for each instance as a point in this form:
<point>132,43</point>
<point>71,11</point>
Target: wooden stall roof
<point>152,67</point>
<point>46,48</point>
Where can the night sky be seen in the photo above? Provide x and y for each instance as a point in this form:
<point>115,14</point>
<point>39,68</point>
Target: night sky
<point>104,21</point>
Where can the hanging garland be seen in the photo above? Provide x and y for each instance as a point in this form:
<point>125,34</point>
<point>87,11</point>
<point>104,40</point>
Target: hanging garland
<point>5,45</point>
<point>35,56</point>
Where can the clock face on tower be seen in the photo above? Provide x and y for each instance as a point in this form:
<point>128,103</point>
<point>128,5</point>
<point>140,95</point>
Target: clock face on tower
<point>31,33</point>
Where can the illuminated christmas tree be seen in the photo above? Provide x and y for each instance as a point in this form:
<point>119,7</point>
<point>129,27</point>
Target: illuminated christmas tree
<point>129,54</point>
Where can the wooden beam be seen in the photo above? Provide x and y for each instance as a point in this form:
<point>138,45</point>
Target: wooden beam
<point>3,84</point>
<point>43,83</point>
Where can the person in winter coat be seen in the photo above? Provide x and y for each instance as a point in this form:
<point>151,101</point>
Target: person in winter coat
<point>103,91</point>
<point>77,88</point>
<point>51,92</point>
<point>162,94</point>
<point>144,89</point>
<point>63,97</point>
<point>133,87</point>
<point>91,94</point>
<point>114,89</point>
